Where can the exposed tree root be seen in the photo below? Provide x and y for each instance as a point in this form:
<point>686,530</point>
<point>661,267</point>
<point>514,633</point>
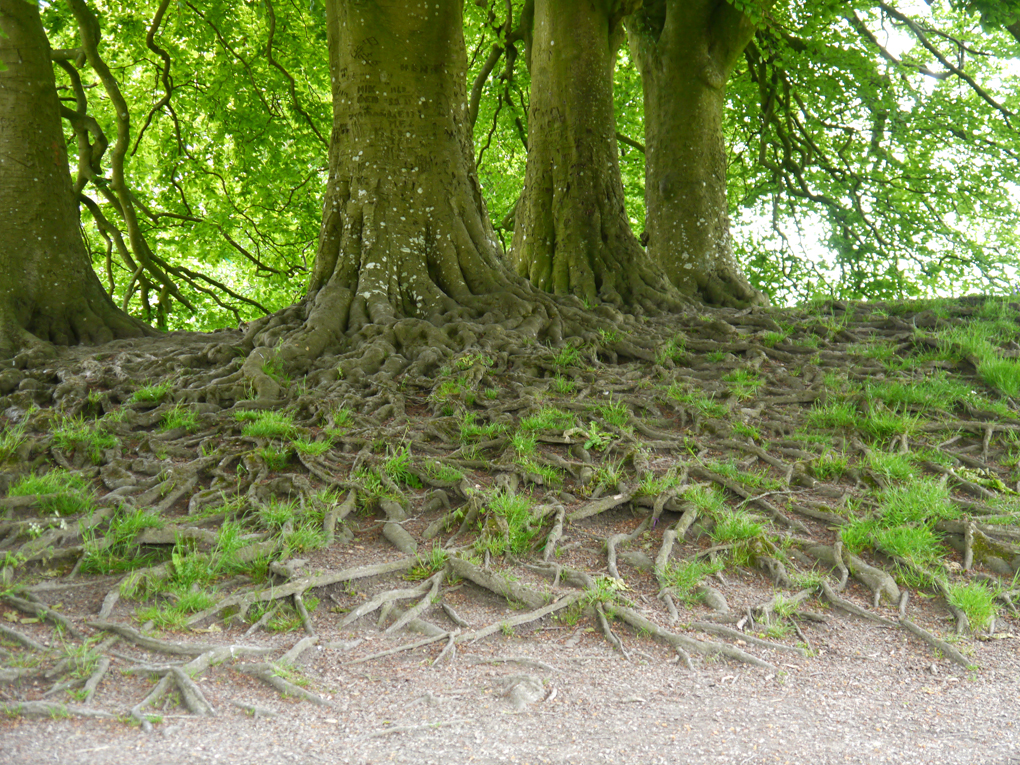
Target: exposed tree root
<point>631,446</point>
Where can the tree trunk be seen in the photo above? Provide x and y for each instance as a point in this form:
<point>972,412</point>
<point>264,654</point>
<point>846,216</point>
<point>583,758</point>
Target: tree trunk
<point>406,246</point>
<point>686,52</point>
<point>571,234</point>
<point>48,290</point>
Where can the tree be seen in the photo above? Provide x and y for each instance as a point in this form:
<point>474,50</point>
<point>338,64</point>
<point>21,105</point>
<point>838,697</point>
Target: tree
<point>406,248</point>
<point>48,290</point>
<point>571,234</point>
<point>686,52</point>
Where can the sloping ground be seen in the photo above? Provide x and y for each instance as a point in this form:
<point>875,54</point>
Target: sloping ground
<point>775,496</point>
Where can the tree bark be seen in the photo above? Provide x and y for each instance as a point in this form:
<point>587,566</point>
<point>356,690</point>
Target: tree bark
<point>405,233</point>
<point>408,267</point>
<point>571,233</point>
<point>686,51</point>
<point>48,290</point>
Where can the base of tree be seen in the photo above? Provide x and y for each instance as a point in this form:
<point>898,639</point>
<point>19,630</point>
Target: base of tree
<point>600,481</point>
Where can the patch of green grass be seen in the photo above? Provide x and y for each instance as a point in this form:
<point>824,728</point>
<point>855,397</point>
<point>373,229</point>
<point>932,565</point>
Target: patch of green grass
<point>882,350</point>
<point>1001,374</point>
<point>746,430</point>
<point>116,551</point>
<point>277,513</point>
<point>757,479</point>
<point>608,336</point>
<point>429,563</point>
<point>470,430</point>
<point>603,589</point>
<point>936,391</point>
<point>11,439</point>
<point>922,501</point>
<point>773,338</point>
<point>892,466</point>
<point>977,601</point>
<point>918,545</point>
<point>398,466</point>
<point>65,492</point>
<point>440,472</point>
<point>858,535</point>
<point>521,524</point>
<point>75,432</point>
<point>834,415</point>
<point>471,360</point>
<point>550,476</point>
<point>698,400</point>
<point>547,418</point>
<point>312,448</point>
<point>883,424</point>
<point>266,424</point>
<point>684,577</point>
<point>523,444</point>
<point>304,538</point>
<point>744,383</point>
<point>716,356</point>
<point>673,350</point>
<point>653,485</point>
<point>568,356</point>
<point>709,500</point>
<point>735,527</point>
<point>563,386</point>
<point>370,485</point>
<point>275,458</point>
<point>180,416</point>
<point>615,413</point>
<point>830,465</point>
<point>152,393</point>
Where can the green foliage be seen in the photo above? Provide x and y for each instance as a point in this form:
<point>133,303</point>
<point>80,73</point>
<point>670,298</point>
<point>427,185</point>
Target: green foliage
<point>428,564</point>
<point>152,393</point>
<point>180,416</point>
<point>548,418</point>
<point>520,529</point>
<point>398,467</point>
<point>652,485</point>
<point>833,415</point>
<point>275,458</point>
<point>78,433</point>
<point>745,383</point>
<point>470,430</point>
<point>116,550</point>
<point>698,400</point>
<point>673,350</point>
<point>265,424</point>
<point>921,501</point>
<point>615,413</point>
<point>830,465</point>
<point>61,492</point>
<point>684,577</point>
<point>11,439</point>
<point>312,448</point>
<point>892,466</point>
<point>735,527</point>
<point>277,514</point>
<point>441,472</point>
<point>977,601</point>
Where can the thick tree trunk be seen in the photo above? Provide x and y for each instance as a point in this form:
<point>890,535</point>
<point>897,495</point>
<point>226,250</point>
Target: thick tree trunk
<point>48,290</point>
<point>686,52</point>
<point>571,234</point>
<point>405,233</point>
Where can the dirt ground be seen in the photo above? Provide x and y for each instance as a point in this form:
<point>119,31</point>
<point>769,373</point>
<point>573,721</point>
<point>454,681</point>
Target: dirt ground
<point>561,694</point>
